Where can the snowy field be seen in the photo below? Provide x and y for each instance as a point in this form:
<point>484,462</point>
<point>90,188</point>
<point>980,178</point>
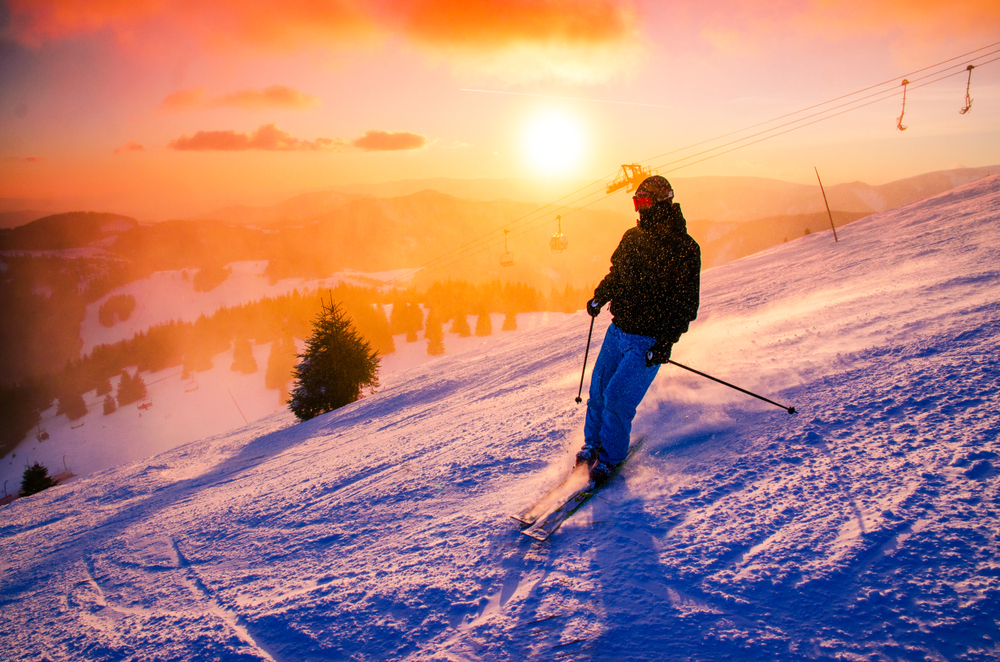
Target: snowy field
<point>170,295</point>
<point>863,527</point>
<point>209,403</point>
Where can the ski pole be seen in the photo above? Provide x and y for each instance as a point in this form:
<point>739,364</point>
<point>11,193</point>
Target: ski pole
<point>590,333</point>
<point>790,410</point>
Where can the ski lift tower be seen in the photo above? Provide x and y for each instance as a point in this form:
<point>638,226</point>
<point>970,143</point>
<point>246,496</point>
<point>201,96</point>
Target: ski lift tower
<point>630,176</point>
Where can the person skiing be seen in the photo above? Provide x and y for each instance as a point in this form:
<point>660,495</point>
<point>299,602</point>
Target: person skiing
<point>653,287</point>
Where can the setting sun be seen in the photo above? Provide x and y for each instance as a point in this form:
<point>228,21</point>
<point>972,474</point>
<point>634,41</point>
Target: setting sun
<point>553,143</point>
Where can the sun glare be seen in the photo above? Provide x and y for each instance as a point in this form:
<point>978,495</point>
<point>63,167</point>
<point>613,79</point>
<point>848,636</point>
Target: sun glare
<point>553,143</point>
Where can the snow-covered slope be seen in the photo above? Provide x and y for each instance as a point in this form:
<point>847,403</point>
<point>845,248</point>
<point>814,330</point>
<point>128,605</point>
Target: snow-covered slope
<point>180,410</point>
<point>863,527</point>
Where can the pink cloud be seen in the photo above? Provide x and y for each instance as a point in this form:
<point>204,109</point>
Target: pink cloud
<point>267,137</point>
<point>290,24</point>
<point>491,24</point>
<point>130,146</point>
<point>275,96</point>
<point>191,97</point>
<point>386,141</point>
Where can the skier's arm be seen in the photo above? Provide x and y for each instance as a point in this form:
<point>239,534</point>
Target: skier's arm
<point>608,287</point>
<point>692,286</point>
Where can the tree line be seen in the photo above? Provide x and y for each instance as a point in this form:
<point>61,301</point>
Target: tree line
<point>279,320</point>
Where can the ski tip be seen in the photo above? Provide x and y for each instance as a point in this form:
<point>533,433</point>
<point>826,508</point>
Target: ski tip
<point>520,521</point>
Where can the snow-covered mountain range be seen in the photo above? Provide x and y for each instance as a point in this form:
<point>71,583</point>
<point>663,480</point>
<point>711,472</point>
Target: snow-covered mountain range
<point>863,527</point>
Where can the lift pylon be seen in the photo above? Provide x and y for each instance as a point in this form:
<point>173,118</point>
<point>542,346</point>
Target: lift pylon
<point>631,175</point>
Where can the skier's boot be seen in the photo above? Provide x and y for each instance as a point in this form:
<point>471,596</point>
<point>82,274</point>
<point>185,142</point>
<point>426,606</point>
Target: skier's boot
<point>602,471</point>
<point>587,455</point>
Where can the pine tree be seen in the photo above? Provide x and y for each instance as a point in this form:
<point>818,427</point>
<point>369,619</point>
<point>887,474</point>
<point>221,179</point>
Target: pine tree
<point>104,387</point>
<point>484,325</point>
<point>130,389</point>
<point>398,317</point>
<point>434,334</point>
<point>280,363</point>
<point>110,406</point>
<point>413,321</point>
<point>509,321</point>
<point>72,404</point>
<point>414,317</point>
<point>35,479</point>
<point>460,326</point>
<point>243,360</point>
<point>336,366</point>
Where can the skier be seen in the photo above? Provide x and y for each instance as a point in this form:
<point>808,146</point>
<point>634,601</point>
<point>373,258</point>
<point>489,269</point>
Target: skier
<point>653,287</point>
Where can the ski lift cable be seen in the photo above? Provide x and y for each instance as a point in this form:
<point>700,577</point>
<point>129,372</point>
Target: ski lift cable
<point>528,216</point>
<point>891,93</point>
<point>824,103</point>
<point>515,222</point>
<point>526,220</point>
<point>885,96</point>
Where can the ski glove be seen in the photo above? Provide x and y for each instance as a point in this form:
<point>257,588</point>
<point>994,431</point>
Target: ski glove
<point>594,308</point>
<point>659,353</point>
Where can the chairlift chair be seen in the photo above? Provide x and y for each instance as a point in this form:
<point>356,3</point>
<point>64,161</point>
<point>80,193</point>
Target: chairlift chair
<point>145,403</point>
<point>558,243</point>
<point>507,258</point>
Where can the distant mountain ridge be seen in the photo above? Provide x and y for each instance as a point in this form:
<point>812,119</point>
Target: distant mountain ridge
<point>61,231</point>
<point>711,198</point>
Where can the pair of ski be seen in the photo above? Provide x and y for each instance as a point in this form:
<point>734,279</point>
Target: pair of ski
<point>542,519</point>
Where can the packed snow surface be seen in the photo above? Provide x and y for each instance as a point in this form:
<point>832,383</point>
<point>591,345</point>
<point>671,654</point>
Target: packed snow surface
<point>863,527</point>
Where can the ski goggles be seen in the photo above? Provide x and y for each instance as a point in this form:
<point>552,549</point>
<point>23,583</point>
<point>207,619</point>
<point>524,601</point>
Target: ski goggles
<point>642,201</point>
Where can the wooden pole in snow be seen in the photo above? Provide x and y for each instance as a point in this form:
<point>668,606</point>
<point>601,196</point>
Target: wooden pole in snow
<point>828,212</point>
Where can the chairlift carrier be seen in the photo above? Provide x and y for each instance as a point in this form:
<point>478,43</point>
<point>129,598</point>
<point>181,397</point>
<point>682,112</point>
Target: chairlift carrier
<point>507,258</point>
<point>558,243</point>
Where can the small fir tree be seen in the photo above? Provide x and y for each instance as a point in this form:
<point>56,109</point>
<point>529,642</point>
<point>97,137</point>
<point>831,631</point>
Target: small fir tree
<point>72,404</point>
<point>35,479</point>
<point>104,387</point>
<point>460,326</point>
<point>398,317</point>
<point>130,389</point>
<point>243,360</point>
<point>280,363</point>
<point>509,321</point>
<point>434,334</point>
<point>413,321</point>
<point>484,325</point>
<point>110,406</point>
<point>414,317</point>
<point>335,368</point>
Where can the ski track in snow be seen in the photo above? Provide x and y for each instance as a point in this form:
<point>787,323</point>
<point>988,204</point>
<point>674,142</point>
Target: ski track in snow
<point>864,527</point>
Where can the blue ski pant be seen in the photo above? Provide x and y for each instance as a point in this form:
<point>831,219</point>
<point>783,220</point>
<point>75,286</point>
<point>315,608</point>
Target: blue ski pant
<point>619,383</point>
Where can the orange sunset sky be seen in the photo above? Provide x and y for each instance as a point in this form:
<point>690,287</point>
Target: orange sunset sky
<point>160,108</point>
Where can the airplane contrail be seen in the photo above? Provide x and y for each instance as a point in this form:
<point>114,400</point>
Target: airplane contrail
<point>552,96</point>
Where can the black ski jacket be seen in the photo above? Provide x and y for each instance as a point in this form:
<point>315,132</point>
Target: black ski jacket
<point>654,282</point>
